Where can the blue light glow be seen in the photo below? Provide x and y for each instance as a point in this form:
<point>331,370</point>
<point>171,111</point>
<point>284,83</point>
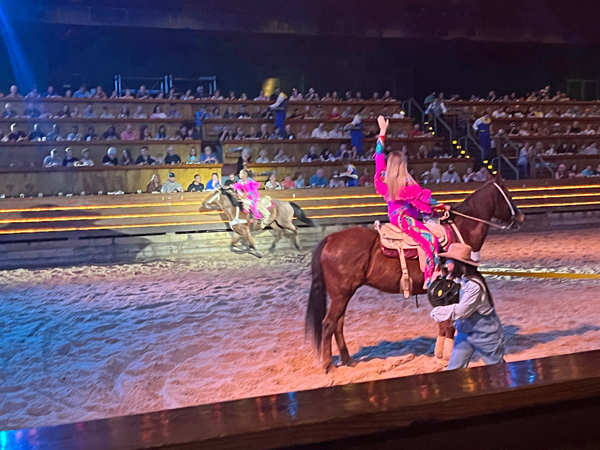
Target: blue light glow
<point>21,67</point>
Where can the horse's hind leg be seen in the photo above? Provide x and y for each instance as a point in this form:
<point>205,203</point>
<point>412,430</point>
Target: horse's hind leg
<point>341,343</point>
<point>331,326</point>
<point>293,229</point>
<point>278,236</point>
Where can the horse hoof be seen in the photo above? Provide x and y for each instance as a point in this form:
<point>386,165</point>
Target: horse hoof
<point>350,363</point>
<point>331,368</point>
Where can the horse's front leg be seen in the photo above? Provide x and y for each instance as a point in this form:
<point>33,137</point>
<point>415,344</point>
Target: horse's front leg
<point>248,237</point>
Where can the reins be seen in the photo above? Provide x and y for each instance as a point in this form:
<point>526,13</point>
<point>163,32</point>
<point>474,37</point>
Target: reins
<point>487,222</point>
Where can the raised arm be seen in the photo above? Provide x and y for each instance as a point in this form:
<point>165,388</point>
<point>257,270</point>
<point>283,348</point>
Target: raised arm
<point>380,165</point>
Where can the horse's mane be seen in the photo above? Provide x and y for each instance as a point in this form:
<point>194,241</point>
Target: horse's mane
<point>468,207</point>
<point>234,201</point>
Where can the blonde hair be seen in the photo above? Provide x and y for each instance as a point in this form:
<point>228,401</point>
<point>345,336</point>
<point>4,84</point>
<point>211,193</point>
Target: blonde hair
<point>396,174</point>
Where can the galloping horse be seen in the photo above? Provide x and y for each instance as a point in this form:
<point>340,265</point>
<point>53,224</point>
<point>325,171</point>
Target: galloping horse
<point>280,219</point>
<point>348,259</point>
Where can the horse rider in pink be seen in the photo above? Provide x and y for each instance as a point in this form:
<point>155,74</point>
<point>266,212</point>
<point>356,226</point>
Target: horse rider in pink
<point>247,189</point>
<point>406,200</point>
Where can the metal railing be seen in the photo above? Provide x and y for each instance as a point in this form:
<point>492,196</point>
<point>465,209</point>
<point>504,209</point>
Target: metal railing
<point>411,105</point>
<point>157,85</point>
<point>544,165</point>
<point>502,159</point>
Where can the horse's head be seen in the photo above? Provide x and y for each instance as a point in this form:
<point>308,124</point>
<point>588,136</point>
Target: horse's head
<point>504,208</point>
<point>214,202</point>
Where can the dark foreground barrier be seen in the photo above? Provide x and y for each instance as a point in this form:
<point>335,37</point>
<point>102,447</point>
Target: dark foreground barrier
<point>551,403</point>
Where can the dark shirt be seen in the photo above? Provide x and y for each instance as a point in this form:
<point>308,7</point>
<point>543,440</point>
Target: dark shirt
<point>195,187</point>
<point>175,159</point>
<point>90,137</point>
<point>228,183</point>
<point>68,162</point>
<point>108,136</point>
<point>312,157</point>
<point>107,160</point>
<point>15,136</point>
<point>36,135</point>
<point>435,153</point>
<point>32,112</point>
<point>9,114</point>
<point>140,160</point>
<point>241,115</point>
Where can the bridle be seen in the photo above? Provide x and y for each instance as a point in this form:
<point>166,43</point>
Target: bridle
<point>508,226</point>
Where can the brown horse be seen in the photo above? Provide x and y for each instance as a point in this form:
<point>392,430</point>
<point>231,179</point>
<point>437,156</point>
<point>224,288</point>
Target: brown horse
<point>280,220</point>
<point>351,258</point>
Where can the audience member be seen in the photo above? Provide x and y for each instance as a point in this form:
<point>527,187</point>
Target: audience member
<point>74,134</point>
<point>450,176</point>
<point>89,113</point>
<point>126,158</point>
<point>15,134</point>
<point>243,160</point>
<point>287,132</point>
<point>298,179</point>
<point>159,161</point>
<point>242,113</point>
<point>468,177</point>
<point>318,180</point>
<point>262,157</point>
<point>157,113</point>
<point>99,93</point>
<point>14,92</point>
<point>280,157</point>
<point>129,134</point>
<point>230,181</point>
<point>69,160</point>
<point>196,185</point>
<point>53,159</point>
<point>55,135</point>
<point>110,134</point>
<point>366,179</point>
<point>352,175</point>
<point>288,183</point>
<point>154,185</point>
<point>162,133</point>
<point>336,181</point>
<point>303,134</point>
<point>124,114</point>
<point>416,131</point>
<point>193,157</point>
<point>171,185</point>
<point>36,134</point>
<point>214,183</point>
<point>8,112</point>
<point>142,93</point>
<point>110,159</point>
<point>436,151</point>
<point>573,172</point>
<point>336,133</point>
<point>311,155</point>
<point>85,158</point>
<point>139,113</point>
<point>144,159</point>
<point>481,175</point>
<point>588,171</point>
<point>319,132</point>
<point>172,158</point>
<point>326,156</point>
<point>50,93</point>
<point>561,173</point>
<point>272,182</point>
<point>209,157</point>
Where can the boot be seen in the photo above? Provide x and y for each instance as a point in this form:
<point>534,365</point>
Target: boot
<point>448,346</point>
<point>439,347</point>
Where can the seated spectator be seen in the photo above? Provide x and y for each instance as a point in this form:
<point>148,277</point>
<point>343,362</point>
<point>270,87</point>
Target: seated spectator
<point>257,114</point>
<point>336,181</point>
<point>591,149</point>
<point>124,114</point>
<point>352,174</point>
<point>196,185</point>
<point>126,159</point>
<point>416,131</point>
<point>366,179</point>
<point>311,155</point>
<point>193,157</point>
<point>129,134</point>
<point>326,156</point>
<point>371,132</point>
<point>243,160</point>
<point>230,181</point>
<point>347,113</point>
<point>318,180</point>
<point>144,159</point>
<point>589,130</point>
<point>50,93</point>
<point>239,134</point>
<point>110,134</point>
<point>173,113</point>
<point>435,174</point>
<point>481,175</point>
<point>225,134</point>
<point>280,157</point>
<point>91,135</point>
<point>69,160</point>
<point>31,112</point>
<point>16,134</point>
<point>139,113</point>
<point>287,132</point>
<point>319,132</point>
<point>8,112</point>
<point>450,176</point>
<point>303,134</point>
<point>76,114</point>
<point>162,133</point>
<point>336,133</point>
<point>142,93</point>
<point>159,161</point>
<point>171,185</point>
<point>74,134</point>
<point>228,114</point>
<point>436,151</point>
<point>262,158</point>
<point>82,92</point>
<point>158,113</point>
<point>334,115</point>
<point>85,159</point>
<point>421,153</point>
<point>172,158</point>
<point>343,153</point>
<point>573,172</point>
<point>588,171</point>
<point>145,133</point>
<point>288,183</point>
<point>214,183</point>
<point>298,179</point>
<point>272,182</point>
<point>99,94</point>
<point>110,159</point>
<point>55,135</point>
<point>294,97</point>
<point>53,159</point>
<point>209,157</point>
<point>561,173</point>
<point>467,177</point>
<point>154,185</point>
<point>36,134</point>
<point>575,128</point>
<point>276,134</point>
<point>242,113</point>
<point>89,113</point>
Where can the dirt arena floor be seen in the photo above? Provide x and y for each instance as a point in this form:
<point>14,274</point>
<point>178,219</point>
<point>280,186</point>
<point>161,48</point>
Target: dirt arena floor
<point>98,341</point>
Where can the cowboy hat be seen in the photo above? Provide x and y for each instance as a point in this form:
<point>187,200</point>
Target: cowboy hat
<point>460,252</point>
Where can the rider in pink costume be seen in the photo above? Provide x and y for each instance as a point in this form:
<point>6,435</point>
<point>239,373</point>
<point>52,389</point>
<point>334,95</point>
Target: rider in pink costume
<point>248,188</point>
<point>407,202</point>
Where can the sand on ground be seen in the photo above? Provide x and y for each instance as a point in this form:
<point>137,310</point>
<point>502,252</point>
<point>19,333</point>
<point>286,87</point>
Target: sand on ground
<point>99,341</point>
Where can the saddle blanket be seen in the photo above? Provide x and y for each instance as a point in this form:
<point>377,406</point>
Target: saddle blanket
<point>392,236</point>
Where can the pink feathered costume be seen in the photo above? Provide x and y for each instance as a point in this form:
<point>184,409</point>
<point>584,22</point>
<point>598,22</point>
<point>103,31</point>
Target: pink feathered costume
<point>404,211</point>
<point>250,188</point>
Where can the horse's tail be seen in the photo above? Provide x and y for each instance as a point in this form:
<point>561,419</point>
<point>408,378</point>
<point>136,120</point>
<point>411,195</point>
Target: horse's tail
<point>300,215</point>
<point>317,300</point>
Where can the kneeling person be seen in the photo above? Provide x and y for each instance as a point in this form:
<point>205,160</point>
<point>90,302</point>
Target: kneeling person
<point>477,324</point>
